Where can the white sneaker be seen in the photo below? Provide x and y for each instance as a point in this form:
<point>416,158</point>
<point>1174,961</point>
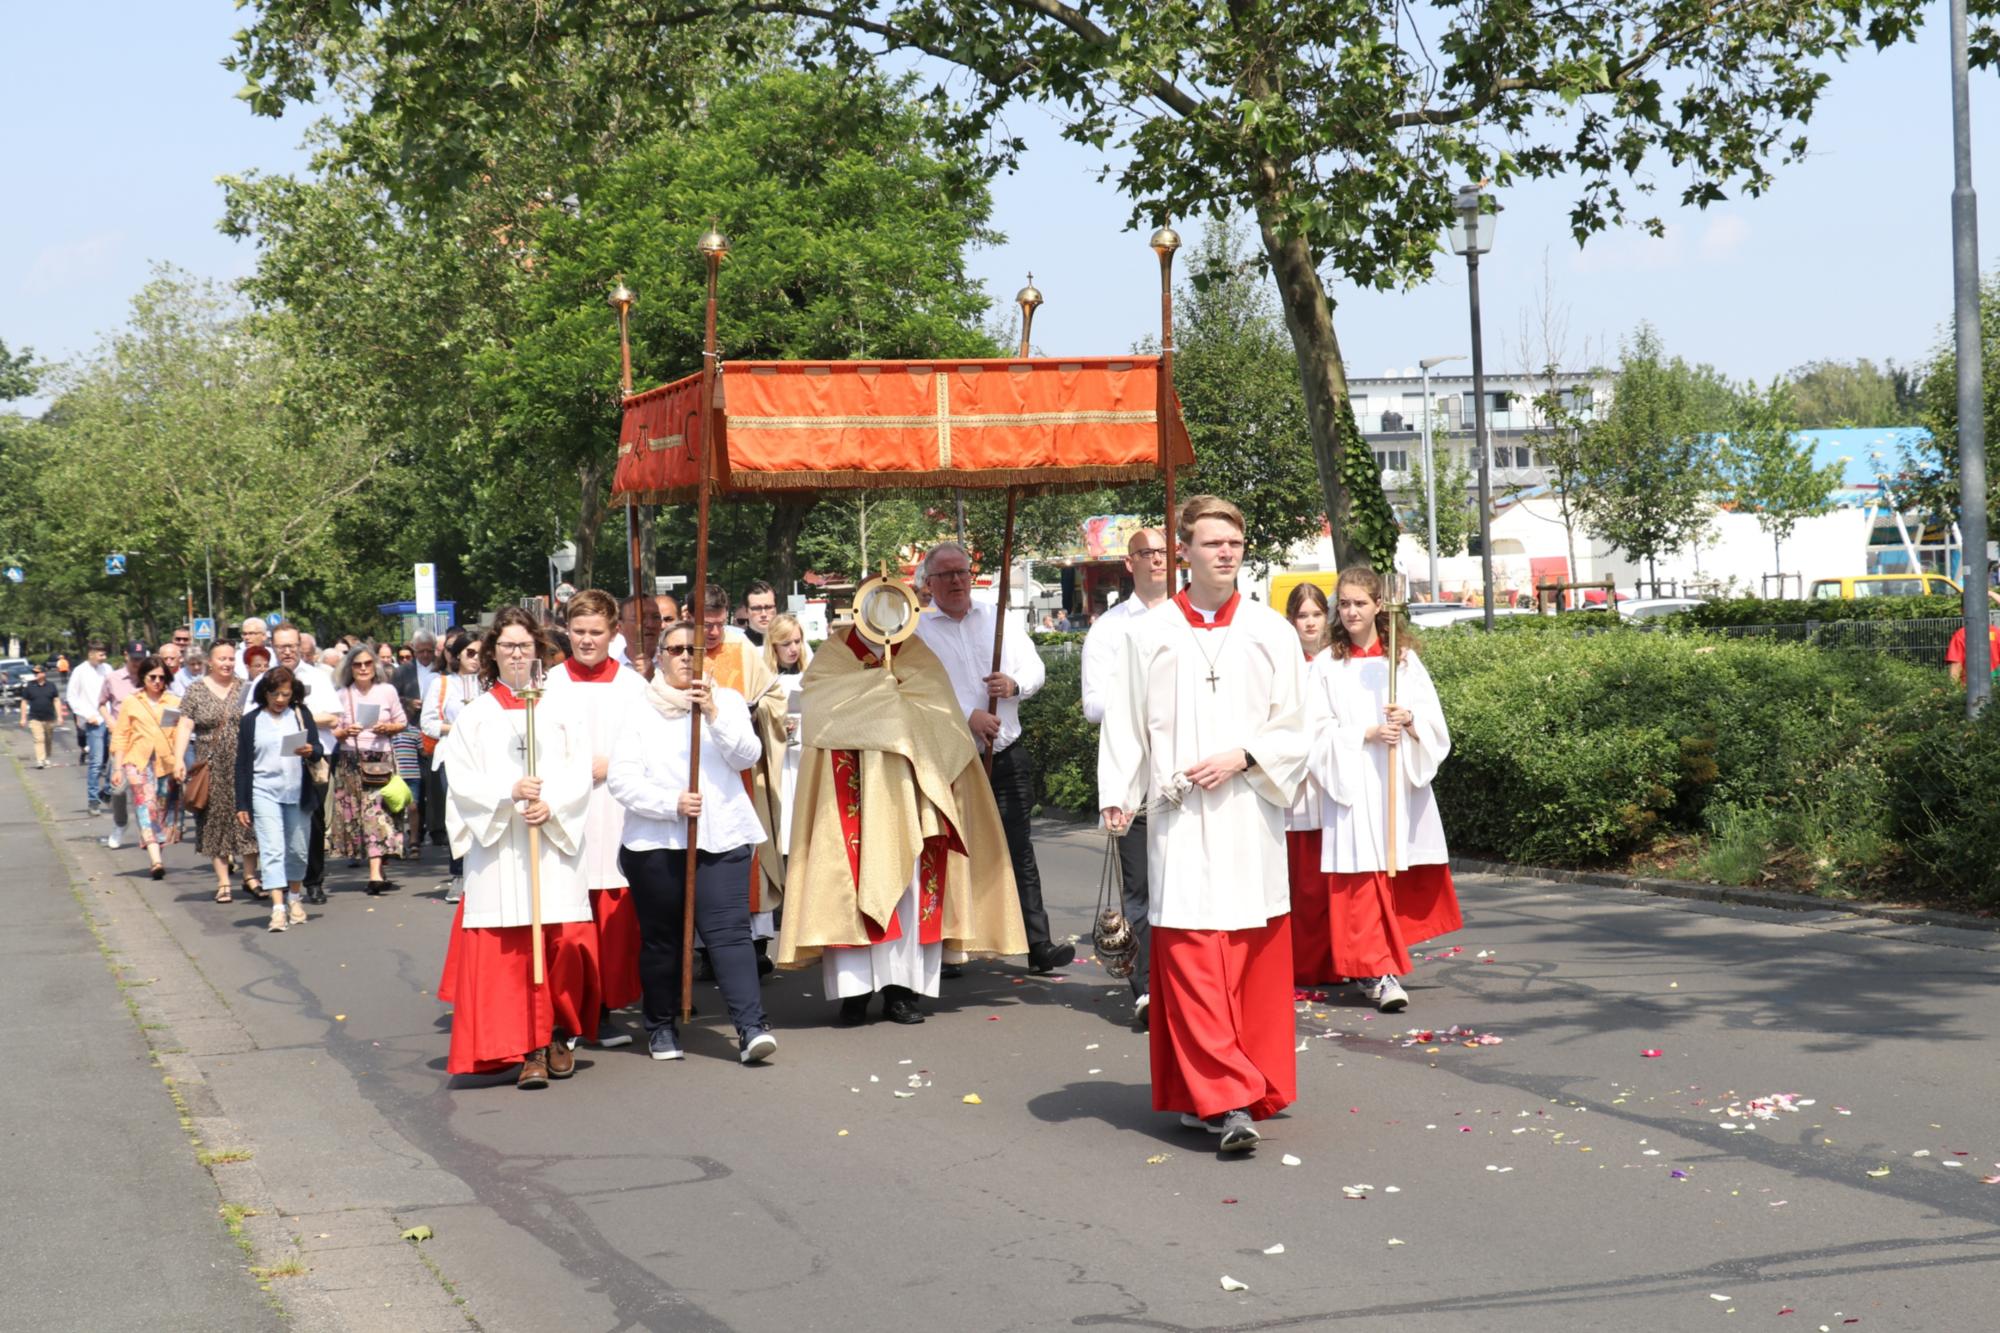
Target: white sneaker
<point>277,919</point>
<point>1196,1122</point>
<point>113,841</point>
<point>1140,1006</point>
<point>298,913</point>
<point>1387,993</point>
<point>759,1047</point>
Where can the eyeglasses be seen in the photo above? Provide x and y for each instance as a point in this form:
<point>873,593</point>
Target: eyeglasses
<point>1149,553</point>
<point>155,675</point>
<point>515,648</point>
<point>360,662</point>
<point>953,574</point>
<point>681,650</point>
<point>183,639</point>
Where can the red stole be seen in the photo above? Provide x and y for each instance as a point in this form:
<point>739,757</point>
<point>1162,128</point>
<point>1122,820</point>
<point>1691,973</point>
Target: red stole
<point>505,697</point>
<point>1223,616</point>
<point>930,863</point>
<point>588,675</point>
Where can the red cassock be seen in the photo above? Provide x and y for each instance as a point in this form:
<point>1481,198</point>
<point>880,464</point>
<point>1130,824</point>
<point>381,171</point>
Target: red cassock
<point>1221,1021</point>
<point>498,1013</point>
<point>1365,924</point>
<point>616,915</point>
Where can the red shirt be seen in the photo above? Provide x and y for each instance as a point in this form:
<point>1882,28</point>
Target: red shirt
<point>1956,653</point>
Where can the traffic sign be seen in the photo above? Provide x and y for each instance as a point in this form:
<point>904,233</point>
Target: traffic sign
<point>204,629</point>
<point>427,591</point>
<point>114,563</point>
<point>663,582</point>
<point>15,574</point>
<point>564,591</point>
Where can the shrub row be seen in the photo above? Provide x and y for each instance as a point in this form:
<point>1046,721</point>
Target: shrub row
<point>1772,611</point>
<point>1837,770</point>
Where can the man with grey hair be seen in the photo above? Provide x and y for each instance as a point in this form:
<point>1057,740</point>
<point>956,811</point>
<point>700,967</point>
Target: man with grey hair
<point>255,632</point>
<point>960,632</point>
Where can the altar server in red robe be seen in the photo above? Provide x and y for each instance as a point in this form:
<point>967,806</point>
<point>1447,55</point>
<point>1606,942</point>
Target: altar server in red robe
<point>610,699</point>
<point>1372,921</point>
<point>501,1018</point>
<point>1206,733</point>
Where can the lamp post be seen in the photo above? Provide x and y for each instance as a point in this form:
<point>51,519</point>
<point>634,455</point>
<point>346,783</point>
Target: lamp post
<point>1971,399</point>
<point>1430,465</point>
<point>1472,236</point>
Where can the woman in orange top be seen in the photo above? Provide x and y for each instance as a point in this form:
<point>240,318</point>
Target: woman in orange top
<point>145,761</point>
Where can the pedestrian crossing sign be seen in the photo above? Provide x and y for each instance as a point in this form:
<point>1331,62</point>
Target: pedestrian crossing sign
<point>204,629</point>
<point>114,564</point>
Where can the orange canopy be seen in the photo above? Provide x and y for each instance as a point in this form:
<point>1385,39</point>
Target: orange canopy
<point>1036,423</point>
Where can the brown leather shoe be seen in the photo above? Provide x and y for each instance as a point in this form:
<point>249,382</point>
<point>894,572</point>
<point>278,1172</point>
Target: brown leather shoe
<point>534,1070</point>
<point>561,1059</point>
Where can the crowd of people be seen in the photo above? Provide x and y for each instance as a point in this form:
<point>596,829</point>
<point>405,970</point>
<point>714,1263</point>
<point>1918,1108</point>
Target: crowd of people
<point>862,805</point>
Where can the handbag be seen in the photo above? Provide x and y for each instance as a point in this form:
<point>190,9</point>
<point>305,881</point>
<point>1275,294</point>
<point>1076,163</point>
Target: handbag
<point>377,767</point>
<point>194,788</point>
<point>395,795</point>
<point>318,771</point>
<point>1110,933</point>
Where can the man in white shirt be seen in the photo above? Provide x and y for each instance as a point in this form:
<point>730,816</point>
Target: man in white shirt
<point>86,690</point>
<point>323,706</point>
<point>960,632</point>
<point>1146,559</point>
<point>415,681</point>
<point>1208,728</point>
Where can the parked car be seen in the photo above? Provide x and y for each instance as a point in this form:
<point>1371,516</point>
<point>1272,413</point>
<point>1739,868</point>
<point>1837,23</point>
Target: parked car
<point>1883,585</point>
<point>1652,608</point>
<point>1460,615</point>
<point>14,673</point>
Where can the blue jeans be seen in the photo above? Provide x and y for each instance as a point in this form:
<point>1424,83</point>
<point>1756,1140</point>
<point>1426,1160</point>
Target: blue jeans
<point>283,828</point>
<point>97,748</point>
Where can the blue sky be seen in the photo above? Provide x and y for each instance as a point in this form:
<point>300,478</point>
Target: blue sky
<point>1849,256</point>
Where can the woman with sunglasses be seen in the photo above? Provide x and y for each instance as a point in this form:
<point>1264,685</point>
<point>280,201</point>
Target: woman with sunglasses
<point>370,714</point>
<point>147,763</point>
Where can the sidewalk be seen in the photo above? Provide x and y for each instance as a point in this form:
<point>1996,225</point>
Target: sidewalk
<point>111,1221</point>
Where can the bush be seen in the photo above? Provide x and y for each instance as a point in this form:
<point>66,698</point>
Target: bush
<point>1945,808</point>
<point>1063,745</point>
<point>1762,611</point>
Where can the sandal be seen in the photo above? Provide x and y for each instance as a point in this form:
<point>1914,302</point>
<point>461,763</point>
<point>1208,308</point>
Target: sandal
<point>222,894</point>
<point>253,887</point>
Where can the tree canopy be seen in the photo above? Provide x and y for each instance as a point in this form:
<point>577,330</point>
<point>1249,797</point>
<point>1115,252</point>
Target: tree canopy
<point>1342,127</point>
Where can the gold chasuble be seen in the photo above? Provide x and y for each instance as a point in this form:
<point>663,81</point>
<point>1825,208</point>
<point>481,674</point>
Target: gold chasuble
<point>739,666</point>
<point>919,778</point>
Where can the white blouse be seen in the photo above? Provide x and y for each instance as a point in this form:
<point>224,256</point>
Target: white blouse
<point>1347,698</point>
<point>649,771</point>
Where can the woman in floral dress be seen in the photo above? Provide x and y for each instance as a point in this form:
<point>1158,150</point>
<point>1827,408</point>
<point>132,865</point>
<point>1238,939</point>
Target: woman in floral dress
<point>145,762</point>
<point>212,712</point>
<point>361,826</point>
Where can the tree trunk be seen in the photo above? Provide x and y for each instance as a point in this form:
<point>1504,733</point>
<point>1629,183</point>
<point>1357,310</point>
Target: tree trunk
<point>788,520</point>
<point>649,562</point>
<point>591,474</point>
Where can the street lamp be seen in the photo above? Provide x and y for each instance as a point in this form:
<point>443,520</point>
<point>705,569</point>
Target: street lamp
<point>1472,236</point>
<point>1430,465</point>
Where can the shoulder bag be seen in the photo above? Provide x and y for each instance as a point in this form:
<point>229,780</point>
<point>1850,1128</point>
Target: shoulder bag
<point>377,766</point>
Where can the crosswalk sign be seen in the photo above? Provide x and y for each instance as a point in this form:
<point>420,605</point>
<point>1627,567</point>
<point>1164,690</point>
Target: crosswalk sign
<point>204,629</point>
<point>114,563</point>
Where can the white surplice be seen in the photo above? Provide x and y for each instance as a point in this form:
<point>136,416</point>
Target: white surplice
<point>898,962</point>
<point>1348,698</point>
<point>484,756</point>
<point>1217,860</point>
<point>608,708</point>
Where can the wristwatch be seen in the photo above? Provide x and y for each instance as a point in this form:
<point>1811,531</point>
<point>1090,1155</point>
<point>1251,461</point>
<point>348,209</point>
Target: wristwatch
<point>1249,761</point>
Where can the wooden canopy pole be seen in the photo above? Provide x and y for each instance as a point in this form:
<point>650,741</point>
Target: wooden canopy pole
<point>1395,752</point>
<point>1029,298</point>
<point>713,246</point>
<point>1165,241</point>
<point>531,696</point>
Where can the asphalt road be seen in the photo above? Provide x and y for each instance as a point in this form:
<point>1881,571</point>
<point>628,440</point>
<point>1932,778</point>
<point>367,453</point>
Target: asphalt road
<point>1559,1178</point>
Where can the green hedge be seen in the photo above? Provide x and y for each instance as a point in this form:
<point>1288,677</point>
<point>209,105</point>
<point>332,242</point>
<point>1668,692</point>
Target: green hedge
<point>1740,760</point>
<point>1771,611</point>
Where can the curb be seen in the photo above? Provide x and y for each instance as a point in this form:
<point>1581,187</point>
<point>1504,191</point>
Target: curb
<point>165,988</point>
<point>1725,893</point>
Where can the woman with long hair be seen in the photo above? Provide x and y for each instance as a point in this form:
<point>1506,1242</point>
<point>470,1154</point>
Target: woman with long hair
<point>1310,613</point>
<point>1373,920</point>
<point>785,652</point>
<point>276,751</point>
<point>521,837</point>
<point>147,763</point>
<point>370,716</point>
<point>212,714</point>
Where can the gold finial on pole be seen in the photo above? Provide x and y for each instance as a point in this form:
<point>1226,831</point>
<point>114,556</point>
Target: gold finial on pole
<point>1164,242</point>
<point>713,243</point>
<point>1029,298</point>
<point>621,299</point>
